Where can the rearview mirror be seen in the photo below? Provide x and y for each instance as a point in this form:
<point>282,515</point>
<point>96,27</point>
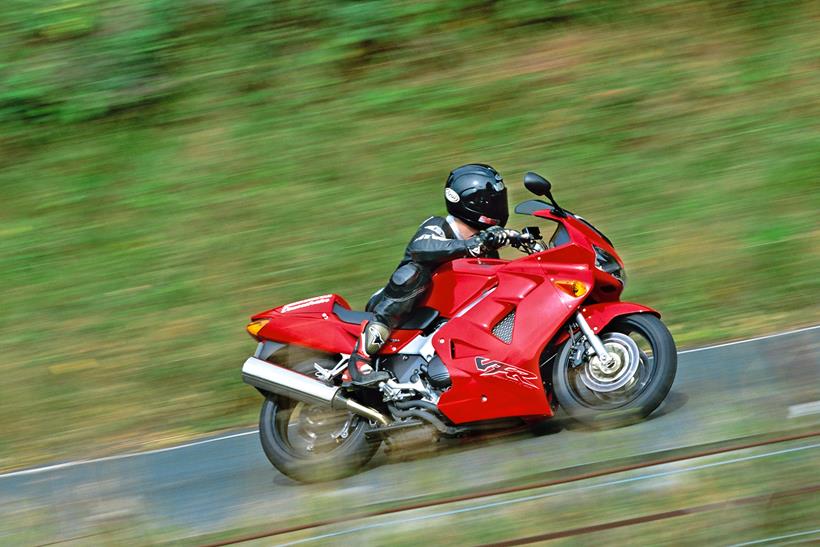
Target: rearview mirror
<point>537,184</point>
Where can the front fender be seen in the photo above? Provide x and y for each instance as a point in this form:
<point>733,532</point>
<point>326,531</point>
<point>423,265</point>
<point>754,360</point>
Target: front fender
<point>600,315</point>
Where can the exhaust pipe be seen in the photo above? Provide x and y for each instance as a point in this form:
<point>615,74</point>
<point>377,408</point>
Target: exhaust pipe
<point>282,381</point>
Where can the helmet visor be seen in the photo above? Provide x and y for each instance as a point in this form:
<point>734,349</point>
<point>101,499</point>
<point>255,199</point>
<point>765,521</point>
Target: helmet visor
<point>490,204</point>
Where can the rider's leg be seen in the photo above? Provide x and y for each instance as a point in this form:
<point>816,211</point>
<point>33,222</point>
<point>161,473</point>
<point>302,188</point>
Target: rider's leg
<point>371,339</point>
<point>391,307</point>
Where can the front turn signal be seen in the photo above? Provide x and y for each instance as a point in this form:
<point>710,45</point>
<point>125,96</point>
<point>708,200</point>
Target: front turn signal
<point>255,326</point>
<point>573,288</point>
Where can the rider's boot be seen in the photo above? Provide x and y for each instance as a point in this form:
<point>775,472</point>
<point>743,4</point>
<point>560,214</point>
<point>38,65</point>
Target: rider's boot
<point>360,366</point>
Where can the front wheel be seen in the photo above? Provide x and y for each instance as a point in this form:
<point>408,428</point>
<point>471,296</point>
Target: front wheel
<point>311,443</point>
<point>629,388</point>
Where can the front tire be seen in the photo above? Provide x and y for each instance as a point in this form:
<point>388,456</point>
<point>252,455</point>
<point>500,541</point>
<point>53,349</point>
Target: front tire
<point>620,395</point>
<point>311,443</point>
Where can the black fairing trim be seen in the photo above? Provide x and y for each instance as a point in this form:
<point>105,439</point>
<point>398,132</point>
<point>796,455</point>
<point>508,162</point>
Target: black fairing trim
<point>594,229</point>
<point>420,319</point>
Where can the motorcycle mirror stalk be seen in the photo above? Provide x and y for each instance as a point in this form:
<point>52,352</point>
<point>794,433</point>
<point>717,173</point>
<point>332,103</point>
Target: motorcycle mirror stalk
<point>540,186</point>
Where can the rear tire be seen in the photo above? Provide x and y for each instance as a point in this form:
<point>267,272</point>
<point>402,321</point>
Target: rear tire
<point>642,394</point>
<point>298,438</point>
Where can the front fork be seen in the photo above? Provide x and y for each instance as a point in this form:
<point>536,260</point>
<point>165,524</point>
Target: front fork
<point>594,341</point>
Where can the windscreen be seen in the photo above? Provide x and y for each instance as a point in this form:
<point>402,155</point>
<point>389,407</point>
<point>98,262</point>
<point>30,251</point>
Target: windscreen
<point>552,232</point>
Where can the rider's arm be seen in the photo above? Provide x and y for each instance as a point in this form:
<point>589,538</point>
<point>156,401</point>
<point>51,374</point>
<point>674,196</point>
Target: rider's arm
<point>432,249</point>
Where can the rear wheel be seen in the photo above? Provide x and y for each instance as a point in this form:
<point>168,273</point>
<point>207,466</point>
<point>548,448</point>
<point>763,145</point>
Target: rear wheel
<point>630,387</point>
<point>312,443</point>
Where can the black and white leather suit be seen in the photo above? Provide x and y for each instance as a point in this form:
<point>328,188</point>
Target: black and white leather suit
<point>437,241</point>
<point>475,195</point>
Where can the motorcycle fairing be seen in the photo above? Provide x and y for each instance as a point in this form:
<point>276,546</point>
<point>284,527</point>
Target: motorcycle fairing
<point>490,377</point>
<point>313,324</point>
<point>600,315</point>
<point>459,282</point>
<point>310,323</point>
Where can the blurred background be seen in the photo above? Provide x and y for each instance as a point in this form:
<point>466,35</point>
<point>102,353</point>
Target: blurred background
<point>169,167</point>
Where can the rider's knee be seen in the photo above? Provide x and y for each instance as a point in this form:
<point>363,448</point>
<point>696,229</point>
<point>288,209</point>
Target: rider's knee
<point>407,281</point>
<point>407,286</point>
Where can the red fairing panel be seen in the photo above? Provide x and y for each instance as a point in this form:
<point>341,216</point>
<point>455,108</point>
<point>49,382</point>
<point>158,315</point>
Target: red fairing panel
<point>493,379</point>
<point>600,315</point>
<point>458,282</point>
<point>310,323</point>
<point>315,304</point>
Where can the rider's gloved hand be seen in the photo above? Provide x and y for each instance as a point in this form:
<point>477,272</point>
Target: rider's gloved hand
<point>490,239</point>
<point>495,237</point>
<point>519,240</point>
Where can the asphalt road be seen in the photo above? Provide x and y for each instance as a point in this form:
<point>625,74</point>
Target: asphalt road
<point>721,392</point>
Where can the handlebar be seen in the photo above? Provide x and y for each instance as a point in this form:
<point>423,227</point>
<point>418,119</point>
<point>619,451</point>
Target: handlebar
<point>524,241</point>
<point>516,237</point>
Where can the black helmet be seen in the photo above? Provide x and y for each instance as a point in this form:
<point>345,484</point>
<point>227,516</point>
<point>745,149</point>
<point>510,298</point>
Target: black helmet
<point>475,193</point>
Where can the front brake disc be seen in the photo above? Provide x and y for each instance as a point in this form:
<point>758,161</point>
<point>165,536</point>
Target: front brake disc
<point>605,378</point>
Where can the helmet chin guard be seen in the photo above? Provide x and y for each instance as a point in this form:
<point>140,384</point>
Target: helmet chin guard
<point>475,193</point>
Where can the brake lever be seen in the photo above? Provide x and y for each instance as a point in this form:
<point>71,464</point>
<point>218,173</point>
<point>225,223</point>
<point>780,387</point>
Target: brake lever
<point>515,238</point>
<point>521,241</point>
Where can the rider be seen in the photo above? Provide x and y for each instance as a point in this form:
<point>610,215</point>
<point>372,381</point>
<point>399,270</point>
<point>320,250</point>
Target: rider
<point>477,205</point>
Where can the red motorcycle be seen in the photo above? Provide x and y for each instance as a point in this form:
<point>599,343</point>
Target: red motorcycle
<point>495,343</point>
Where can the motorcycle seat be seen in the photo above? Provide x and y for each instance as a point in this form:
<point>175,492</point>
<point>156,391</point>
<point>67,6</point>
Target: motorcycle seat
<point>351,316</point>
<point>420,319</point>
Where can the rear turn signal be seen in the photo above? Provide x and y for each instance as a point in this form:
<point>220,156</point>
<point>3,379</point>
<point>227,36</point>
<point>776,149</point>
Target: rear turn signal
<point>256,326</point>
<point>572,288</point>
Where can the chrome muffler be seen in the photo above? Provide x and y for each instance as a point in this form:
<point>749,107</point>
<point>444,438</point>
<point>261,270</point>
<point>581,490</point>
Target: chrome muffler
<point>293,385</point>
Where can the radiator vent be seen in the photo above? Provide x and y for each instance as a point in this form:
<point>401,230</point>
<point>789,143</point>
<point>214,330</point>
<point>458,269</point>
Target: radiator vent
<point>503,329</point>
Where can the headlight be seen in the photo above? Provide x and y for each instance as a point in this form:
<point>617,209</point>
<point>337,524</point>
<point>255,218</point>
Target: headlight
<point>607,263</point>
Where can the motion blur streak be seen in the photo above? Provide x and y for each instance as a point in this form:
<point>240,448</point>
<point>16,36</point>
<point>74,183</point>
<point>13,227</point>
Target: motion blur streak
<point>777,538</point>
<point>747,340</point>
<point>198,160</point>
<point>568,476</point>
<point>122,456</point>
<point>768,498</point>
<point>533,497</point>
<point>796,412</point>
<point>207,488</point>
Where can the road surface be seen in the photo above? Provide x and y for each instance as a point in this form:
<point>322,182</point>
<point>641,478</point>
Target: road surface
<point>721,392</point>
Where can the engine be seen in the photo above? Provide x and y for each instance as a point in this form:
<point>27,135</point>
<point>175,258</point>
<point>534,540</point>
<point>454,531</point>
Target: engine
<point>437,374</point>
<point>414,374</point>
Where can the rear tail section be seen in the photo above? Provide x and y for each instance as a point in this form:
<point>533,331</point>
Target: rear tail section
<point>310,323</point>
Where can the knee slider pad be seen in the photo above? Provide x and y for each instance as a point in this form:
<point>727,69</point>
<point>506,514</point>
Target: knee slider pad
<point>407,282</point>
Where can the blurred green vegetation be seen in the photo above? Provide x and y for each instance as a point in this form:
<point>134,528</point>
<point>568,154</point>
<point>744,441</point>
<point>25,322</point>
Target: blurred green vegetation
<point>169,167</point>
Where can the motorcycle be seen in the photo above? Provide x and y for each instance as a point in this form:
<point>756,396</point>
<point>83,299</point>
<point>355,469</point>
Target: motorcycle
<point>496,343</point>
